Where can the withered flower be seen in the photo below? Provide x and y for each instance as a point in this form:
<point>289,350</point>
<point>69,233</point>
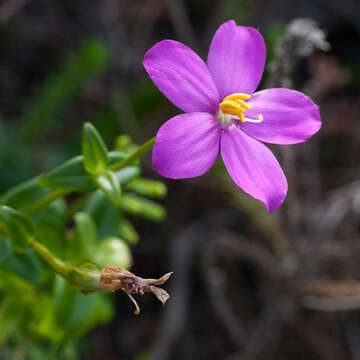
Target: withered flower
<point>115,278</point>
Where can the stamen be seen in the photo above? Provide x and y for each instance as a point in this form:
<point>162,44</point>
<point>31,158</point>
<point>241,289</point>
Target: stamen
<point>231,107</point>
<point>238,96</point>
<point>244,104</point>
<point>256,121</point>
<point>137,309</point>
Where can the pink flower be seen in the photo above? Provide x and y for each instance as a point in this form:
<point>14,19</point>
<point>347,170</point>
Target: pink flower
<point>224,115</point>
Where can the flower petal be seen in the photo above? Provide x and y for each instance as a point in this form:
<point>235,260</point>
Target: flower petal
<point>182,76</point>
<point>253,167</point>
<point>186,146</point>
<point>236,59</point>
<point>289,117</point>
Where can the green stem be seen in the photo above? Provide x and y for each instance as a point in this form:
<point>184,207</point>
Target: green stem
<point>55,263</point>
<point>137,154</point>
<point>83,280</point>
<point>46,200</point>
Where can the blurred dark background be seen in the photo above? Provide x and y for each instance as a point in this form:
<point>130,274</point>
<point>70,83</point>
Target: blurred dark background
<point>247,285</point>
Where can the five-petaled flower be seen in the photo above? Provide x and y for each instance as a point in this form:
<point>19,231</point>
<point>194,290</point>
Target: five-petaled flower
<point>224,114</point>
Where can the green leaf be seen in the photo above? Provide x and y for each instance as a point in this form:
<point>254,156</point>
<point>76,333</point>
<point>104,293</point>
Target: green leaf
<point>23,195</point>
<point>50,227</point>
<point>126,174</point>
<point>145,187</point>
<point>105,214</point>
<point>112,251</point>
<point>94,151</point>
<point>27,265</point>
<point>110,185</point>
<point>137,205</point>
<point>116,156</point>
<point>45,324</point>
<point>19,226</point>
<point>123,143</point>
<point>85,237</point>
<point>72,176</point>
<point>128,232</point>
<point>63,300</point>
<point>10,317</point>
<point>5,249</point>
<point>77,313</point>
<point>88,311</point>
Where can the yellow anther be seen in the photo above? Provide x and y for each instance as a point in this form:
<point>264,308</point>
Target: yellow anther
<point>238,96</point>
<point>231,107</point>
<point>242,117</point>
<point>245,105</point>
<point>235,105</point>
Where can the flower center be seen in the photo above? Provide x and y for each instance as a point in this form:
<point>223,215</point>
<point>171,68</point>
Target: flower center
<point>233,106</point>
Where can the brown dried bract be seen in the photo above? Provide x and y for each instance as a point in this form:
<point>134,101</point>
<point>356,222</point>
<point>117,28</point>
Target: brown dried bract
<point>115,278</point>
